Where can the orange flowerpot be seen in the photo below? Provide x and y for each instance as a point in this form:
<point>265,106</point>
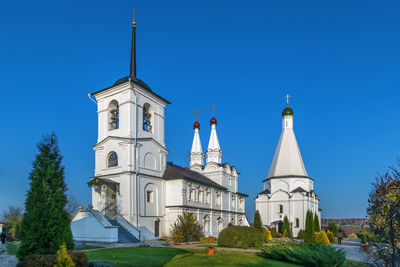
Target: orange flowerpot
<point>210,252</point>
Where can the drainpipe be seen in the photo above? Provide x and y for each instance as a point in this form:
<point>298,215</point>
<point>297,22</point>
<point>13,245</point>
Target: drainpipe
<point>136,158</point>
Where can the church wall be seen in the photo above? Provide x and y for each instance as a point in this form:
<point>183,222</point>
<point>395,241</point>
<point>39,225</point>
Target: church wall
<point>175,193</point>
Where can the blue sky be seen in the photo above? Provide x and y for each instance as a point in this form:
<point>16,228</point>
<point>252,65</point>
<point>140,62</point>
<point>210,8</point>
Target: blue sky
<point>339,60</point>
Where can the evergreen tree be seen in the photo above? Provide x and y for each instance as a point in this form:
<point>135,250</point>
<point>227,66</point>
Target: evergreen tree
<point>257,221</point>
<point>317,228</point>
<point>46,224</point>
<point>309,228</point>
<point>286,226</point>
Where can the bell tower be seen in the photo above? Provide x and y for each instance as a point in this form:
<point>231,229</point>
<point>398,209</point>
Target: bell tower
<point>130,152</point>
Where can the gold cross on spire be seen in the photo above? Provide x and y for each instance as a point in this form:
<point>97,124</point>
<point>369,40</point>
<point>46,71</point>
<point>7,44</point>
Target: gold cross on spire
<point>196,111</point>
<point>287,99</point>
<point>213,109</point>
<point>134,19</point>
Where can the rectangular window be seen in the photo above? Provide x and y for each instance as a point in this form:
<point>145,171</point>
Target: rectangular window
<point>149,196</point>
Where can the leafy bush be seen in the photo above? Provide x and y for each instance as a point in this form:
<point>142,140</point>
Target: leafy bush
<point>240,237</point>
<point>185,228</point>
<point>274,233</point>
<point>267,235</point>
<point>364,236</point>
<point>64,259</point>
<point>322,238</point>
<point>210,239</point>
<point>301,234</point>
<point>79,259</point>
<point>333,228</point>
<point>312,255</point>
<point>331,237</point>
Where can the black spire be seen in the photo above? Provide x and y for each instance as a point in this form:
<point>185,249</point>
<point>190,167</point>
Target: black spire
<point>133,48</point>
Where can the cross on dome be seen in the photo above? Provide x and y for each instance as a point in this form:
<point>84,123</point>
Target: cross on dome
<point>196,124</point>
<point>213,119</point>
<point>287,99</point>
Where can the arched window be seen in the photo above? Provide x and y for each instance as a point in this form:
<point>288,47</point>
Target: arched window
<point>233,221</point>
<point>113,115</point>
<point>112,160</point>
<point>147,118</point>
<point>297,223</point>
<point>281,209</point>
<point>233,202</point>
<point>240,222</point>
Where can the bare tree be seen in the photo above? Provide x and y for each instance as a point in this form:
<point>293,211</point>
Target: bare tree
<point>72,205</point>
<point>13,217</point>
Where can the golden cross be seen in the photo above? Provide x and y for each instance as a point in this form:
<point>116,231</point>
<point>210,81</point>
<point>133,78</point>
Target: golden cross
<point>134,14</point>
<point>287,99</point>
<point>196,111</point>
<point>213,108</point>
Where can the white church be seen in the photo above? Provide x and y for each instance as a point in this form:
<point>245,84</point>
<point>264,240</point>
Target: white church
<point>288,190</point>
<point>136,194</point>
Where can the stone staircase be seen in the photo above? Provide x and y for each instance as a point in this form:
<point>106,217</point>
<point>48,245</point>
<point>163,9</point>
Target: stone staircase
<point>123,235</point>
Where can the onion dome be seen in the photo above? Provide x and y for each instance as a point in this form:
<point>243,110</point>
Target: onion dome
<point>196,125</point>
<point>287,111</point>
<point>213,121</point>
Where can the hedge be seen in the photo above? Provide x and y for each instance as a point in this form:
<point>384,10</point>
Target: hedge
<point>240,237</point>
<point>50,260</point>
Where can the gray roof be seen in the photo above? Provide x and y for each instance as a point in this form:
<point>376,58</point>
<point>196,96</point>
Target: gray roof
<point>265,192</point>
<point>136,81</point>
<point>173,172</point>
<point>298,190</point>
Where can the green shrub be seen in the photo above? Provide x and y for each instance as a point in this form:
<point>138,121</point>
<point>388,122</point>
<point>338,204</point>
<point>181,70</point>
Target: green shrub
<point>334,228</point>
<point>309,238</point>
<point>301,234</point>
<point>210,239</point>
<point>79,259</point>
<point>257,221</point>
<point>317,228</point>
<point>64,259</point>
<point>286,227</point>
<point>240,237</point>
<point>185,228</point>
<point>364,236</point>
<point>311,255</point>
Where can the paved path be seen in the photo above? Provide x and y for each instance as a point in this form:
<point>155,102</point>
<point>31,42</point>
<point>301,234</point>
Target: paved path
<point>353,250</point>
<point>8,260</point>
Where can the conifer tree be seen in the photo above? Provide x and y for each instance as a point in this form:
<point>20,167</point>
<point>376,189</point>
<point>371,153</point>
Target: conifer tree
<point>286,226</point>
<point>257,221</point>
<point>46,224</point>
<point>309,228</point>
<point>317,228</point>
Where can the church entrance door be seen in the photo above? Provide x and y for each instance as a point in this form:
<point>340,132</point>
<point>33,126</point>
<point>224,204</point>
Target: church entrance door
<point>280,225</point>
<point>157,228</point>
<point>111,204</point>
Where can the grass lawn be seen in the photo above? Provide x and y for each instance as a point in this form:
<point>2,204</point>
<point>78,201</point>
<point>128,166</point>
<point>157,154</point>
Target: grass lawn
<point>145,256</point>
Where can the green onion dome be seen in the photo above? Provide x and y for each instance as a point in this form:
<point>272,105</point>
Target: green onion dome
<point>287,111</point>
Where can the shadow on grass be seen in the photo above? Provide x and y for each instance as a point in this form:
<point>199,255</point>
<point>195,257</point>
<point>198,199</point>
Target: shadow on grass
<point>136,256</point>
